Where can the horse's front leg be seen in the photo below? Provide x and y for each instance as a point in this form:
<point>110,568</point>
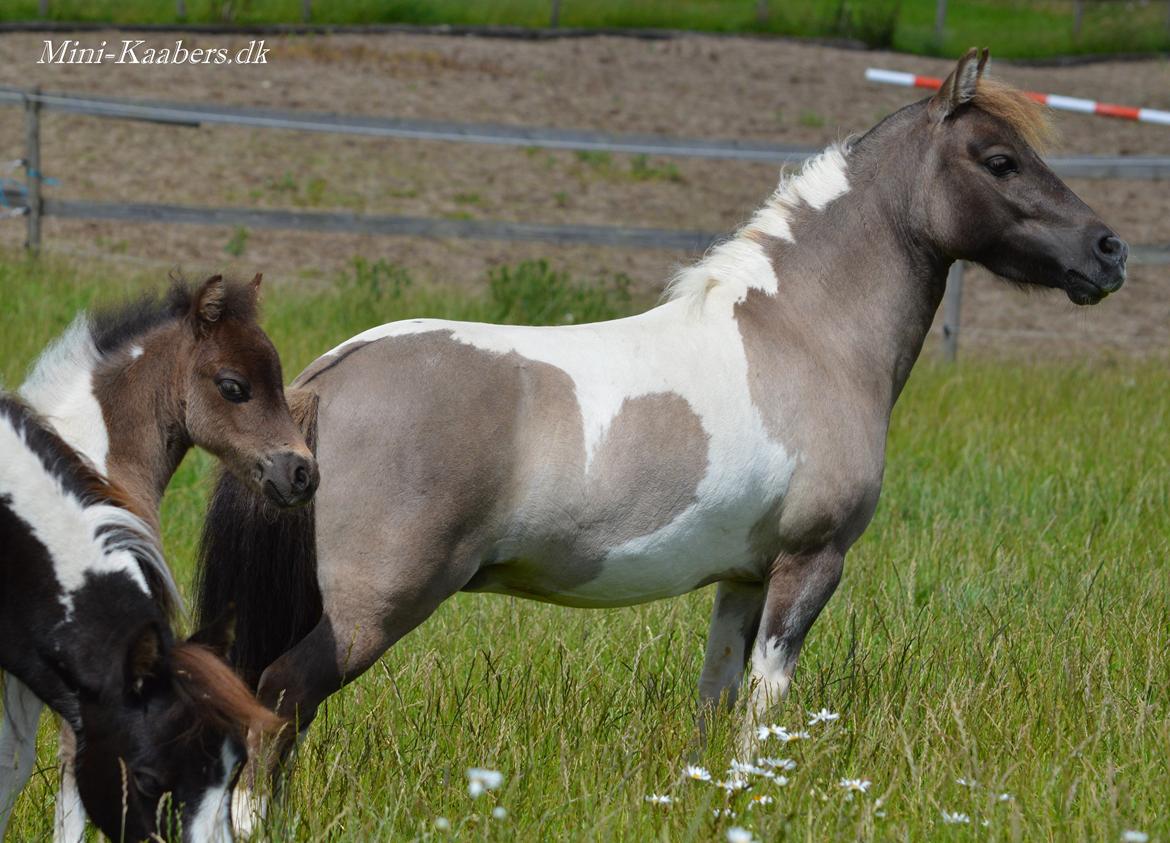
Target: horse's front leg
<point>69,816</point>
<point>799,586</point>
<point>18,743</point>
<point>734,620</point>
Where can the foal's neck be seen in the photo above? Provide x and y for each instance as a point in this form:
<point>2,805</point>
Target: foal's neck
<point>140,392</point>
<point>123,410</point>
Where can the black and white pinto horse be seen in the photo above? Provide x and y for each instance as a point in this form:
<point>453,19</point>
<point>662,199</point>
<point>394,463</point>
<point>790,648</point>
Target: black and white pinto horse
<point>130,390</point>
<point>85,600</point>
<point>733,435</point>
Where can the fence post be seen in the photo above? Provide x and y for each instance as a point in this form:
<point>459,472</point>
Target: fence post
<point>940,20</point>
<point>307,10</point>
<point>32,165</point>
<point>952,299</point>
<point>554,15</point>
<point>43,9</point>
<point>1078,16</point>
<point>181,9</point>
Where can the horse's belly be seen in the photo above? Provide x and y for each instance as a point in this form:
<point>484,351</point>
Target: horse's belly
<point>666,564</point>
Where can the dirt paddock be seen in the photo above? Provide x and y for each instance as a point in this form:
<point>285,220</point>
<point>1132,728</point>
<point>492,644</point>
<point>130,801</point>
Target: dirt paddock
<point>693,86</point>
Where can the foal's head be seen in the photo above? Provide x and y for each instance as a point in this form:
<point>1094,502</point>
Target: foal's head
<point>980,190</point>
<point>164,741</point>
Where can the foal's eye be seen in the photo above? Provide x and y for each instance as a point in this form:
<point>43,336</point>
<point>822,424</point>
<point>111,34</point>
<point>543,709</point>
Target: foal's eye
<point>233,390</point>
<point>1000,165</point>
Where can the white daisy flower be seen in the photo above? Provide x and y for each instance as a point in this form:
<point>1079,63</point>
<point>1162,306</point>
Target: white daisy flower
<point>786,764</point>
<point>659,799</point>
<point>856,785</point>
<point>778,780</point>
<point>723,812</point>
<point>739,835</point>
<point>1133,836</point>
<point>698,774</point>
<point>971,783</point>
<point>794,736</point>
<point>746,769</point>
<point>733,785</point>
<point>955,818</point>
<point>1004,797</point>
<point>442,824</point>
<point>765,732</point>
<point>499,812</point>
<point>823,716</point>
<point>480,779</point>
<point>761,800</point>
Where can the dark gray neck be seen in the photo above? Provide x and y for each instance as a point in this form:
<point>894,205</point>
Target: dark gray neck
<point>859,284</point>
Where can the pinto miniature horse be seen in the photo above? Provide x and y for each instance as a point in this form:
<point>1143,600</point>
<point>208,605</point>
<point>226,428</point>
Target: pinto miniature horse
<point>85,600</point>
<point>131,390</point>
<point>733,435</point>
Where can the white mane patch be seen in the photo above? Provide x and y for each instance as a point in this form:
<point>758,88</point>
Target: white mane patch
<point>739,264</point>
<point>80,539</point>
<point>60,389</point>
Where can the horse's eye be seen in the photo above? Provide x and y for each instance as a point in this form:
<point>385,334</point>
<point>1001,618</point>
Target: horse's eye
<point>233,390</point>
<point>1000,166</point>
<point>148,784</point>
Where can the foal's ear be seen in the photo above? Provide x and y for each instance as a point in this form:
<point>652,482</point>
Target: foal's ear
<point>254,285</point>
<point>961,85</point>
<point>219,635</point>
<point>209,301</point>
<point>144,657</point>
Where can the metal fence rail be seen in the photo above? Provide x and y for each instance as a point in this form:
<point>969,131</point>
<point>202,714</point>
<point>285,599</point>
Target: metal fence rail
<point>30,203</point>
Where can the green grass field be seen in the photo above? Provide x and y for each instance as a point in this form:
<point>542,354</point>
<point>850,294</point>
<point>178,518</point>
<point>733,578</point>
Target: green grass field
<point>1006,619</point>
<point>1017,29</point>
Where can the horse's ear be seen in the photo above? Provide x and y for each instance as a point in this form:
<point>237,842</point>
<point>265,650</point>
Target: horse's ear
<point>219,635</point>
<point>144,658</point>
<point>960,86</point>
<point>254,285</point>
<point>210,300</point>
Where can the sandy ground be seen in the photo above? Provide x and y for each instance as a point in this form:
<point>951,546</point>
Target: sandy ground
<point>694,86</point>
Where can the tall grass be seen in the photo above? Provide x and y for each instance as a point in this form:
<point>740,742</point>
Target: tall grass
<point>1004,620</point>
<point>1011,27</point>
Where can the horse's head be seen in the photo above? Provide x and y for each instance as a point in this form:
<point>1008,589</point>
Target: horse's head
<point>234,395</point>
<point>986,196</point>
<point>163,742</point>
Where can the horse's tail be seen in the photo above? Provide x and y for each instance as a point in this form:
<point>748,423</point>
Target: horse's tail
<point>263,561</point>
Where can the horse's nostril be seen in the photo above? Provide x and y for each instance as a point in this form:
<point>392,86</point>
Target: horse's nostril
<point>1112,247</point>
<point>301,478</point>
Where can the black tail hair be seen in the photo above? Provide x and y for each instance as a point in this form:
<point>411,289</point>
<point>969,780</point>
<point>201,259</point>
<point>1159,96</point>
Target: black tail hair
<point>262,559</point>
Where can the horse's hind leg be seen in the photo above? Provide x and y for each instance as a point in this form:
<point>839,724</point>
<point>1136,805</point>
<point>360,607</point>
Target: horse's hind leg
<point>69,815</point>
<point>18,743</point>
<point>735,618</point>
<point>359,624</point>
<point>799,586</point>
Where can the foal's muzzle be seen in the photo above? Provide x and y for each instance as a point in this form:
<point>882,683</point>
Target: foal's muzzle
<point>289,479</point>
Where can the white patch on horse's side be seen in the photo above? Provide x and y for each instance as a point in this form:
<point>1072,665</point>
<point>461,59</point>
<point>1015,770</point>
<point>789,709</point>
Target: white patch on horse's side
<point>60,389</point>
<point>212,822</point>
<point>734,264</point>
<point>72,533</point>
<point>18,743</point>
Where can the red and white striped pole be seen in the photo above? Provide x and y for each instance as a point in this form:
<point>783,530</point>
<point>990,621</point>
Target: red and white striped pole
<point>1061,103</point>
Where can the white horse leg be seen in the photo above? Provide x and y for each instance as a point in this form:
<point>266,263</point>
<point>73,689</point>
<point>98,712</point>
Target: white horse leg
<point>734,619</point>
<point>798,588</point>
<point>18,744</point>
<point>69,818</point>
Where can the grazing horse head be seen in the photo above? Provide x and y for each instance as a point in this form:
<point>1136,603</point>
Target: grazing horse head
<point>164,740</point>
<point>233,391</point>
<point>984,194</point>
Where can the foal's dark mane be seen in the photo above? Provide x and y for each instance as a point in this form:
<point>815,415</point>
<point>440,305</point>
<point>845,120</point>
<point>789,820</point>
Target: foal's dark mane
<point>82,480</point>
<point>218,696</point>
<point>114,327</point>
